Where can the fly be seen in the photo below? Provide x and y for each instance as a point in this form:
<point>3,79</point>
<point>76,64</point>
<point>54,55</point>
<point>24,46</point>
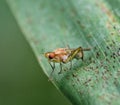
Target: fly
<point>64,55</point>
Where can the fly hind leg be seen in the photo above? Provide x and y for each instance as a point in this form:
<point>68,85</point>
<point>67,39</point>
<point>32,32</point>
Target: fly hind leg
<point>70,65</point>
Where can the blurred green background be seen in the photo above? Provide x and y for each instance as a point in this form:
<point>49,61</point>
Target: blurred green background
<point>22,82</point>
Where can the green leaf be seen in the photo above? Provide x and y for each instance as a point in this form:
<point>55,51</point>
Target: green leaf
<point>51,24</point>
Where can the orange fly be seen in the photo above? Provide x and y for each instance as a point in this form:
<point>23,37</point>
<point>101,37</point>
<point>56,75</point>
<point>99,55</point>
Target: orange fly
<point>64,55</point>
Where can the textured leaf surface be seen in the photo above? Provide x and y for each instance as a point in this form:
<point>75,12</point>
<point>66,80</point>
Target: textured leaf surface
<point>51,24</point>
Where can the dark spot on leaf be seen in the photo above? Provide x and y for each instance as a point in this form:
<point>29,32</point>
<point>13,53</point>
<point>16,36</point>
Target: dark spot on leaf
<point>97,54</point>
<point>73,84</point>
<point>107,60</point>
<point>111,56</point>
<point>93,61</point>
<point>114,27</point>
<point>90,59</point>
<point>85,83</point>
<point>78,79</point>
<point>97,71</point>
<point>113,41</point>
<point>91,68</point>
<point>105,67</point>
<point>95,48</point>
<point>78,21</point>
<point>118,52</point>
<point>105,53</point>
<point>74,75</point>
<point>114,54</point>
<point>114,57</point>
<point>108,47</point>
<point>96,67</point>
<point>113,66</point>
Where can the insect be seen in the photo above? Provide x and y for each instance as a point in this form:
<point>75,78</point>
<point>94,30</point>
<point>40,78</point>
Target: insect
<point>64,55</point>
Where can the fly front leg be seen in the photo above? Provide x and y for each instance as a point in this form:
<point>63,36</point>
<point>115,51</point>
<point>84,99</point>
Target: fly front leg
<point>53,68</point>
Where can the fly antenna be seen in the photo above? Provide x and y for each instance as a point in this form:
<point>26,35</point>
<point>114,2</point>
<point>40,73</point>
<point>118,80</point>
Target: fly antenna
<point>42,52</point>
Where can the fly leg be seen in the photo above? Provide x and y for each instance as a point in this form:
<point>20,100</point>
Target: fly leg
<point>60,68</point>
<point>82,54</point>
<point>53,68</point>
<point>70,65</point>
<point>73,54</point>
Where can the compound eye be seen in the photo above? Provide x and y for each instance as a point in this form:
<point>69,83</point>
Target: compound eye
<point>51,56</point>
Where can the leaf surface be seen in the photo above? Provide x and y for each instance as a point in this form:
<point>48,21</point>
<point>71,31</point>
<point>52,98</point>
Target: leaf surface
<point>51,24</point>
